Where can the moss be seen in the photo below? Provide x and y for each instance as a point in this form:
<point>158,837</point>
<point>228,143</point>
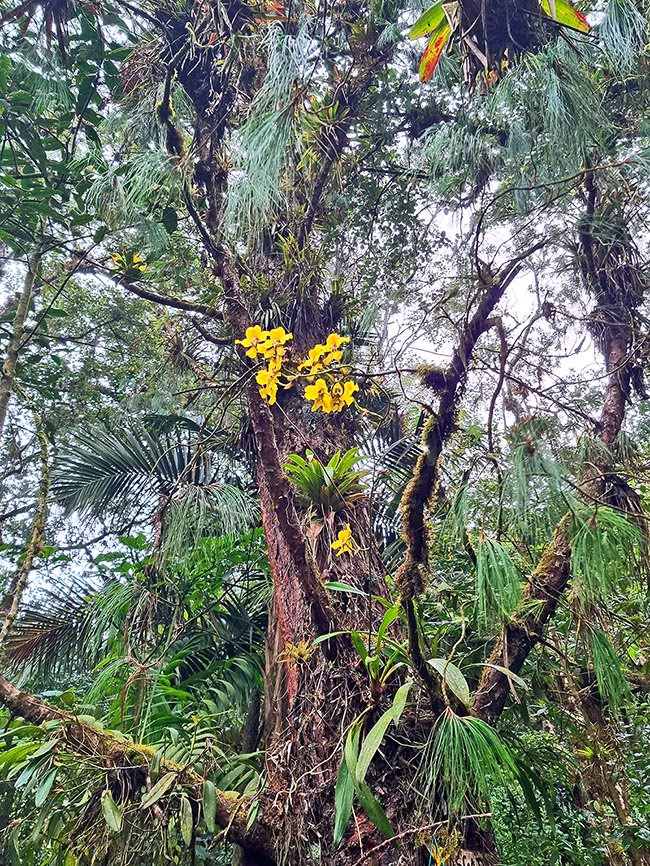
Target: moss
<point>433,377</point>
<point>409,579</point>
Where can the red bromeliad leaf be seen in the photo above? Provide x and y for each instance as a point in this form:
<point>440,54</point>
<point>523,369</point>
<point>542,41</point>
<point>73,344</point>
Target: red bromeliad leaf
<point>429,21</point>
<point>566,14</point>
<point>433,51</point>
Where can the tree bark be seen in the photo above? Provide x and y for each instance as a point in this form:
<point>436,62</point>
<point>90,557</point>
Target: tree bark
<point>11,603</point>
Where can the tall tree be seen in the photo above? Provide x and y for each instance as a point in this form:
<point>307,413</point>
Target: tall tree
<point>448,543</point>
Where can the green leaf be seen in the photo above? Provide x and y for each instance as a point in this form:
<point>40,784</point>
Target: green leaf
<point>374,810</point>
<point>154,767</point>
<point>18,753</point>
<point>343,797</point>
<point>100,234</point>
<point>158,790</point>
<point>323,637</point>
<point>566,15</point>
<point>169,220</point>
<point>429,21</point>
<point>338,586</point>
<point>111,812</point>
<point>351,749</point>
<point>187,820</point>
<point>44,788</point>
<point>252,814</point>
<point>375,735</point>
<point>209,805</point>
<point>359,645</point>
<point>453,678</point>
<point>506,671</point>
<point>390,616</point>
<point>45,749</point>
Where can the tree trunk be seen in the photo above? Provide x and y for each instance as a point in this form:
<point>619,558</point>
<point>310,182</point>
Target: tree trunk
<point>17,334</point>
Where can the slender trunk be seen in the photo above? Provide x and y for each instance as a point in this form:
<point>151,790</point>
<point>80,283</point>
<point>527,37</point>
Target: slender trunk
<point>11,602</point>
<point>17,334</point>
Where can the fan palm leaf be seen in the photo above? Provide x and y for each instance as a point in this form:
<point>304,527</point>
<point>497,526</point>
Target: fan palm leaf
<point>134,468</point>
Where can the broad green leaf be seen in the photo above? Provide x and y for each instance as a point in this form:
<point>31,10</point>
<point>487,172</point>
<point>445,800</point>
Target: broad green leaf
<point>430,20</point>
<point>513,676</point>
<point>323,637</point>
<point>351,749</point>
<point>337,586</point>
<point>566,14</point>
<point>252,814</point>
<point>169,220</point>
<point>374,810</point>
<point>433,51</point>
<point>154,767</point>
<point>376,734</point>
<point>359,645</point>
<point>209,805</point>
<point>111,812</point>
<point>27,773</point>
<point>45,749</point>
<point>158,790</point>
<point>390,616</point>
<point>17,753</point>
<point>453,677</point>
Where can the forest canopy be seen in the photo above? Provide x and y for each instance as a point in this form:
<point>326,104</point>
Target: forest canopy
<point>324,429</point>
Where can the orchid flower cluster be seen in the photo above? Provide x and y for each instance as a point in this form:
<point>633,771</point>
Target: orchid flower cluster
<point>329,389</point>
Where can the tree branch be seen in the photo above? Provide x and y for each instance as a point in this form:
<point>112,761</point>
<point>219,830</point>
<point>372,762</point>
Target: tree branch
<point>553,573</point>
<point>450,383</point>
<point>11,603</point>
<point>91,743</point>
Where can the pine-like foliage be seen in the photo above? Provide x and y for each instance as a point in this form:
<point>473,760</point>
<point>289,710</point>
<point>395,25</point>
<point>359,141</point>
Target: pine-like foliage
<point>612,685</point>
<point>604,550</point>
<point>498,581</point>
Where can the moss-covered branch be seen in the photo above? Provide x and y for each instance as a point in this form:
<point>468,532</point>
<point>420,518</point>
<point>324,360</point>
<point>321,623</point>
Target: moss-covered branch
<point>449,383</point>
<point>90,743</point>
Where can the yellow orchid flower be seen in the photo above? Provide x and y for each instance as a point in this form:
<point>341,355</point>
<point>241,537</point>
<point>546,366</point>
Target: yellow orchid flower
<point>345,543</point>
<point>268,381</point>
<point>274,343</point>
<point>319,393</point>
<point>254,341</point>
<point>343,394</point>
<point>335,341</point>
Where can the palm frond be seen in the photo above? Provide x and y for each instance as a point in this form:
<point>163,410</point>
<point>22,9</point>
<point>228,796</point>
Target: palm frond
<point>218,508</point>
<point>103,469</point>
<point>134,468</point>
<point>66,628</point>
